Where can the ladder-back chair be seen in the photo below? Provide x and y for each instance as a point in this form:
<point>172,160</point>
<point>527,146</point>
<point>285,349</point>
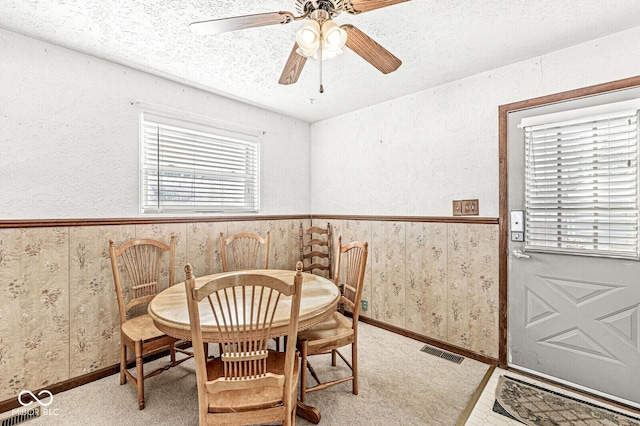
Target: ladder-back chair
<point>316,250</point>
<point>248,383</point>
<point>338,330</point>
<point>141,259</point>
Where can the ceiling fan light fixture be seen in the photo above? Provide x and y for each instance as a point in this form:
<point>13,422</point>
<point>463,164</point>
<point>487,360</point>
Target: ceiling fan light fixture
<point>333,37</point>
<point>318,37</point>
<point>329,54</point>
<point>308,38</point>
<point>307,53</point>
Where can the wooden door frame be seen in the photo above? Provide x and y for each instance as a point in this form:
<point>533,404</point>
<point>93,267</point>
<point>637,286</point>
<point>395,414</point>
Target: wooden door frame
<point>503,116</point>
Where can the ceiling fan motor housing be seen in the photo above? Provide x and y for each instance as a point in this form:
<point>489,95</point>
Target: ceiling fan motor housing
<point>331,6</point>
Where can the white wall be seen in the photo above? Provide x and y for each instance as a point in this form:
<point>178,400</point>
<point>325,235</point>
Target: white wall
<point>414,155</point>
<point>69,135</point>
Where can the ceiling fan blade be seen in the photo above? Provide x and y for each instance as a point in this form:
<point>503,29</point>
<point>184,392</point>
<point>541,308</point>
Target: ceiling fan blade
<point>360,6</point>
<point>217,26</point>
<point>293,67</point>
<point>371,51</point>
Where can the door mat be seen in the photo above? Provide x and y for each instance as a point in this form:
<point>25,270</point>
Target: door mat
<point>536,406</point>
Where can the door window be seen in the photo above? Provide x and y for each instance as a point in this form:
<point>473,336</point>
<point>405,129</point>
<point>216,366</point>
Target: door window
<point>581,182</point>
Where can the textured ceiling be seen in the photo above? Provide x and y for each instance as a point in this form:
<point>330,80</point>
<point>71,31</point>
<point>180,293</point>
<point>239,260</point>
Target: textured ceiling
<point>438,41</point>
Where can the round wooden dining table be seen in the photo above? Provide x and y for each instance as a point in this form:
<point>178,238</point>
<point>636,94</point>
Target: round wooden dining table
<point>319,300</point>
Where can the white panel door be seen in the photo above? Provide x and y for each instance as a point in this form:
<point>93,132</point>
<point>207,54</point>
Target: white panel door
<point>574,318</point>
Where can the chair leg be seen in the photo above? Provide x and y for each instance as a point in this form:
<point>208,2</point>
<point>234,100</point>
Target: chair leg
<point>139,374</point>
<point>303,371</point>
<point>287,417</point>
<point>354,366</point>
<point>333,358</point>
<point>313,372</point>
<point>123,362</point>
<point>172,352</point>
<point>293,410</point>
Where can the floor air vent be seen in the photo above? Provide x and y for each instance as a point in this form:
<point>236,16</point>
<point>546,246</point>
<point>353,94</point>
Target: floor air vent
<point>442,354</point>
<point>21,417</point>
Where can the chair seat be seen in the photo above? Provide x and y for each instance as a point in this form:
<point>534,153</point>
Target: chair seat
<point>141,328</point>
<point>335,328</point>
<point>254,398</point>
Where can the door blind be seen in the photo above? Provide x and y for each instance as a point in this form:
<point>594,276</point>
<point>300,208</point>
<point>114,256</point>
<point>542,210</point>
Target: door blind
<point>581,185</point>
<point>197,168</point>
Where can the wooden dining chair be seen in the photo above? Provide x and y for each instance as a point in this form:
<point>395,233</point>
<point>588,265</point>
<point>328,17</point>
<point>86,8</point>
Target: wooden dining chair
<point>242,251</point>
<point>316,250</point>
<point>248,383</point>
<point>339,330</point>
<point>141,259</point>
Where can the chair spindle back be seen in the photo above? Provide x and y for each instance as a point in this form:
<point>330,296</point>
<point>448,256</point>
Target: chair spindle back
<point>244,306</point>
<point>242,251</point>
<point>352,260</point>
<point>141,259</point>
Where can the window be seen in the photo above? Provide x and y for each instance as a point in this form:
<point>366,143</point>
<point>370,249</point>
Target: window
<point>581,182</point>
<point>192,167</point>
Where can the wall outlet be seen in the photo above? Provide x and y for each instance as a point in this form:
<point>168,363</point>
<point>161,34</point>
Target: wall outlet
<point>364,305</point>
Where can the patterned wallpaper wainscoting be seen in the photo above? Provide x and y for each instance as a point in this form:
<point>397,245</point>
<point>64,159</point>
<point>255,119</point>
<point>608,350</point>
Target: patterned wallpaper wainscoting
<point>59,317</point>
<point>34,308</point>
<point>439,280</point>
<point>427,279</point>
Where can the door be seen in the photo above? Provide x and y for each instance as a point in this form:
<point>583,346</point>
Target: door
<point>572,316</point>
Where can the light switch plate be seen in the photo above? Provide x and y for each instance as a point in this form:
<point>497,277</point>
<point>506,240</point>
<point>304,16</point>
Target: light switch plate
<point>457,208</point>
<point>470,208</point>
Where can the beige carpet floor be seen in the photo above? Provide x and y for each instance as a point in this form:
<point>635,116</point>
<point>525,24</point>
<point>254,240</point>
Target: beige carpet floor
<point>399,385</point>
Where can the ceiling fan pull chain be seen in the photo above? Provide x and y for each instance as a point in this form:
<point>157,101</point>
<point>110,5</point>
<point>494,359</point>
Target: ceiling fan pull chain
<point>320,59</point>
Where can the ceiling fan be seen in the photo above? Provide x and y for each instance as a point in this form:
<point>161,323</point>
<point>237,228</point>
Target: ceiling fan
<point>320,37</point>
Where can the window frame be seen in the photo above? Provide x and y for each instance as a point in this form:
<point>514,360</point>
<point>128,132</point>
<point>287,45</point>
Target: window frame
<point>222,143</point>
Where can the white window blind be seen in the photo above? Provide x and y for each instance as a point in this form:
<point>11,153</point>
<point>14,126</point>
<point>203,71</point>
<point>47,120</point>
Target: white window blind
<point>191,167</point>
<point>581,185</point>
